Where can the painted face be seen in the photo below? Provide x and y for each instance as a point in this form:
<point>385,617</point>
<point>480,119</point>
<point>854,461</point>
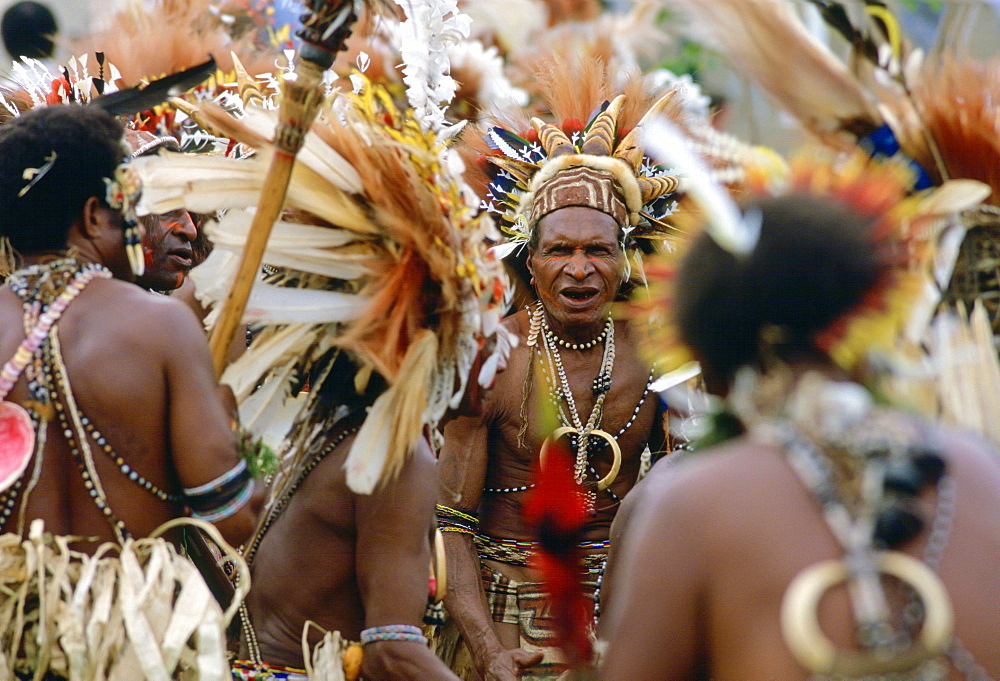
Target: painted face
<point>577,266</point>
<point>167,249</point>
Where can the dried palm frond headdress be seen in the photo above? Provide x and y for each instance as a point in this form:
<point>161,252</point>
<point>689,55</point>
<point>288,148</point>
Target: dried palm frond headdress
<point>382,252</point>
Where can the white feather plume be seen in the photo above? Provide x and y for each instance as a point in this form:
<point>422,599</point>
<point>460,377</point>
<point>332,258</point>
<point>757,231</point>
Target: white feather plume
<point>206,184</point>
<point>430,29</point>
<point>767,42</point>
<point>284,305</point>
<point>370,449</point>
<point>274,349</point>
<point>727,225</point>
<point>314,154</point>
<point>307,248</point>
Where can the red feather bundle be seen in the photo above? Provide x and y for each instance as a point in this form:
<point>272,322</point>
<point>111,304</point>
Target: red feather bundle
<point>557,511</point>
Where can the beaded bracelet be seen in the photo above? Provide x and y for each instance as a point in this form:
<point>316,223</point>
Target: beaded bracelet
<point>393,632</point>
<point>446,511</point>
<point>223,496</point>
<point>457,528</point>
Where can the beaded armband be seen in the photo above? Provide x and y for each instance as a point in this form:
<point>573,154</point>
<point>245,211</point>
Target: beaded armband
<point>452,520</point>
<point>393,632</point>
<point>221,497</point>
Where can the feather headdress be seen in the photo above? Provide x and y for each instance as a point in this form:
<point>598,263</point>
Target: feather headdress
<point>758,38</point>
<point>519,163</point>
<point>524,165</point>
<point>938,112</point>
<point>905,227</point>
<point>380,253</point>
<point>149,39</point>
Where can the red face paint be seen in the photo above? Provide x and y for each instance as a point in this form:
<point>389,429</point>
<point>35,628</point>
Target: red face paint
<point>577,267</point>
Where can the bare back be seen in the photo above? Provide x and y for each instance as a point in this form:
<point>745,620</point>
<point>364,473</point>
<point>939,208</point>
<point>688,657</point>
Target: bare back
<point>304,567</point>
<point>139,370</point>
<point>712,550</point>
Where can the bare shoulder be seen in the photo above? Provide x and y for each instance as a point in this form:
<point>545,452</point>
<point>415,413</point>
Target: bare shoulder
<point>972,456</point>
<point>715,484</point>
<point>660,476</point>
<point>510,382</point>
<point>518,322</point>
<point>187,295</point>
<point>148,312</point>
<point>421,466</point>
<point>417,474</point>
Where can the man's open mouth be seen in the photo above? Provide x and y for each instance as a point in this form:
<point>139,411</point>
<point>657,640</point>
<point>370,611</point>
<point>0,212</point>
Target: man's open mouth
<point>181,257</point>
<point>580,295</point>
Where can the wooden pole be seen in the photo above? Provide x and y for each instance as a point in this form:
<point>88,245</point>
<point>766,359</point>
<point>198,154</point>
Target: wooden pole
<point>326,26</point>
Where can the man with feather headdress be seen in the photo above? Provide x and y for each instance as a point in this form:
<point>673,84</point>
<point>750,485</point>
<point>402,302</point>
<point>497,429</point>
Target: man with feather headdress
<point>570,196</point>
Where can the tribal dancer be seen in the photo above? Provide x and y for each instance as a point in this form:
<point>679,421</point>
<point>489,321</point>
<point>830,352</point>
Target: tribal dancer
<point>112,398</point>
<point>382,296</point>
<point>830,506</point>
<point>573,200</point>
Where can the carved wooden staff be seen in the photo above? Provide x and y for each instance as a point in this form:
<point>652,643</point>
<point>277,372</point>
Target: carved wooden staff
<point>326,25</point>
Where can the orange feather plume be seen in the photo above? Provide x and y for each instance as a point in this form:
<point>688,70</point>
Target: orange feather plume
<point>957,103</point>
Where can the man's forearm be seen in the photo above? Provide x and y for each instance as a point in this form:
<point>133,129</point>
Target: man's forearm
<point>466,600</point>
<point>394,661</point>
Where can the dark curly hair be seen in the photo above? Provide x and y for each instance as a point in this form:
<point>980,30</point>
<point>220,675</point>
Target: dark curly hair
<point>28,29</point>
<point>86,142</point>
<point>814,261</point>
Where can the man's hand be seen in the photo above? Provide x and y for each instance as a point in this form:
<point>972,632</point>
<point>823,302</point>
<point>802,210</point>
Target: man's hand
<point>508,663</point>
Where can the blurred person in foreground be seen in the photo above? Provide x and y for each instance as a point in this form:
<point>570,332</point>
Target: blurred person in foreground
<point>835,536</point>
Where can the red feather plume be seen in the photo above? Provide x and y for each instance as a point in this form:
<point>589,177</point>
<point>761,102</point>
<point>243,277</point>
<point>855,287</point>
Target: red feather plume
<point>557,511</point>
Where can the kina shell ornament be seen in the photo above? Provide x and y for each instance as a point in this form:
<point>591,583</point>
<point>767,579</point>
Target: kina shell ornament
<point>17,442</point>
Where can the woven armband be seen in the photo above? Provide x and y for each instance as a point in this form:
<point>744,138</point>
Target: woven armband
<point>221,497</point>
<point>452,520</point>
<point>393,632</point>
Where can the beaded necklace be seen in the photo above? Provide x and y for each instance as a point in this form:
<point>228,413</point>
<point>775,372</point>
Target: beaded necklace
<point>46,290</point>
<point>72,429</point>
<point>560,393</point>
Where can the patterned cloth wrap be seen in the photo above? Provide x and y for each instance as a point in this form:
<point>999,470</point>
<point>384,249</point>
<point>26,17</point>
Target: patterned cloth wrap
<point>526,604</point>
<point>510,602</point>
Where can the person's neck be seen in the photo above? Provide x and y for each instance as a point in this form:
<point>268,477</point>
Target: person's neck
<point>51,256</point>
<point>81,252</point>
<point>580,334</point>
